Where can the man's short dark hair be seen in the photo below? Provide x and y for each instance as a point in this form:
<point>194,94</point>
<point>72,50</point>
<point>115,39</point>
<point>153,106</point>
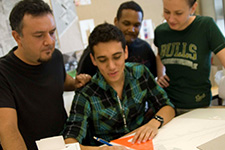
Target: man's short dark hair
<point>32,7</point>
<point>104,33</point>
<point>129,5</point>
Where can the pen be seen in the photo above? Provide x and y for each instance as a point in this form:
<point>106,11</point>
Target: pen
<point>102,141</point>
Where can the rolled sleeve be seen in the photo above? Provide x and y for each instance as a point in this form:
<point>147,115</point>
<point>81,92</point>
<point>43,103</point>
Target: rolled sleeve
<point>76,124</point>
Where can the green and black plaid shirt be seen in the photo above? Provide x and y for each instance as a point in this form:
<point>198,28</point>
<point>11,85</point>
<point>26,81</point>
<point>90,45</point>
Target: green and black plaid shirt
<point>96,111</point>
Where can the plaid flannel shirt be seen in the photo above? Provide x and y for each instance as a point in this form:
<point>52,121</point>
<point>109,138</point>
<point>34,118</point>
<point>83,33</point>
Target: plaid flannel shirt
<point>96,111</point>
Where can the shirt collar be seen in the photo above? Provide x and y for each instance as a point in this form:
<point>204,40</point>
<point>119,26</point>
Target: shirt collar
<point>100,80</point>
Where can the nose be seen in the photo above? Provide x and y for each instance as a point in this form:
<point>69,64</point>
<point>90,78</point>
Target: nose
<point>131,28</point>
<point>49,39</point>
<point>111,65</point>
<point>171,18</point>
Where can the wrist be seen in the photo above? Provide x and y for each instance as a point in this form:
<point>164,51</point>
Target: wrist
<point>159,119</point>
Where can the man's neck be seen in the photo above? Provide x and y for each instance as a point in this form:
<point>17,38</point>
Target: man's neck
<point>21,56</point>
<point>118,86</point>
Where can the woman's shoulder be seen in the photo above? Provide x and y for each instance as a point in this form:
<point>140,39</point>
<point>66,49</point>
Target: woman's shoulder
<point>204,18</point>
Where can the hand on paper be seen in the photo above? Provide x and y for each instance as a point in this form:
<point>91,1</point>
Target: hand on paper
<point>81,80</point>
<point>163,81</point>
<point>113,148</point>
<point>145,132</point>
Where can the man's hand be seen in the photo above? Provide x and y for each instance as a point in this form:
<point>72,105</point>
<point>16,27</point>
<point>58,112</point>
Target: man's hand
<point>150,129</point>
<point>113,148</point>
<point>163,81</point>
<point>146,132</point>
<point>71,84</point>
<point>81,80</point>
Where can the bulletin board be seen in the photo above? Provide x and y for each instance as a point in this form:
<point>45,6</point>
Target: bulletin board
<point>105,10</point>
<point>101,11</point>
<point>6,40</point>
<point>67,25</point>
<point>68,31</point>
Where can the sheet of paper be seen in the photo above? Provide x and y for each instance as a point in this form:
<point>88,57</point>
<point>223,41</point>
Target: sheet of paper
<point>56,143</point>
<point>126,141</point>
<point>215,144</point>
<point>202,113</point>
<point>51,143</point>
<point>187,133</point>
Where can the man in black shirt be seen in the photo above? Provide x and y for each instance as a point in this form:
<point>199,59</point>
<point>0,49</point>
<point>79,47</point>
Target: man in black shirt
<point>128,20</point>
<point>32,79</point>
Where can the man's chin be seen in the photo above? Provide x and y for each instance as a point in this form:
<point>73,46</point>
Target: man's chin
<point>130,40</point>
<point>44,60</point>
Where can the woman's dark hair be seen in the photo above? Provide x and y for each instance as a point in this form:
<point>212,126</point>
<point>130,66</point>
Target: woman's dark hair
<point>191,2</point>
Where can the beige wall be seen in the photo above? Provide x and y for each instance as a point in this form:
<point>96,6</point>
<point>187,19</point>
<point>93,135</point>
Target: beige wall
<point>105,10</point>
<point>207,8</point>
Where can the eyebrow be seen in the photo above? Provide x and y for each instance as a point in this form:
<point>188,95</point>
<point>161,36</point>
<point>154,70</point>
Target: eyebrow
<point>37,32</point>
<point>127,21</point>
<point>99,57</point>
<point>177,11</point>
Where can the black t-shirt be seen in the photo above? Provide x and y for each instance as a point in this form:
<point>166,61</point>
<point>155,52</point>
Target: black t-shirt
<point>36,94</point>
<point>139,51</point>
<point>85,64</point>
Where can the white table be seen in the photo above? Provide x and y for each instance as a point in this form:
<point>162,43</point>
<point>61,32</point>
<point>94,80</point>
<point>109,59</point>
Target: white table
<point>190,130</point>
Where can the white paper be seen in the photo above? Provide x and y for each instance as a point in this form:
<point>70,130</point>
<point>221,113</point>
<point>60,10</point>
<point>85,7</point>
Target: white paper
<point>147,29</point>
<point>215,144</point>
<point>52,143</point>
<point>86,27</point>
<point>56,143</point>
<point>187,133</point>
<point>67,25</point>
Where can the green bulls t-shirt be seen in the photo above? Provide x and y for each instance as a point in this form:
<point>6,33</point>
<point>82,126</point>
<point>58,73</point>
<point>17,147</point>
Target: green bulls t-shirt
<point>186,55</point>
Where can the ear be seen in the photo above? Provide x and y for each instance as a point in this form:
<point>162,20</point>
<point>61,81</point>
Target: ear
<point>115,21</point>
<point>17,37</point>
<point>193,8</point>
<point>126,52</point>
<point>93,59</point>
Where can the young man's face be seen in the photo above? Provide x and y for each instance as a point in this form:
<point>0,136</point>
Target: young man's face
<point>129,24</point>
<point>37,42</point>
<point>110,57</point>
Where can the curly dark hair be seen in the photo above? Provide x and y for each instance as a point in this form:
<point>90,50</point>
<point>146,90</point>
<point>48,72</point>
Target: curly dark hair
<point>129,5</point>
<point>32,7</point>
<point>104,33</point>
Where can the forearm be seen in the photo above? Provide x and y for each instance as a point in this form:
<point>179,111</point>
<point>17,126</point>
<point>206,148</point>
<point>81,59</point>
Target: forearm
<point>69,84</point>
<point>11,139</point>
<point>10,136</point>
<point>160,67</point>
<point>167,113</point>
<point>221,56</point>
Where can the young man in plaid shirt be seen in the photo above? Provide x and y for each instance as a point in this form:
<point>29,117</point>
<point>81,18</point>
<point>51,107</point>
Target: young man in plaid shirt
<point>119,97</point>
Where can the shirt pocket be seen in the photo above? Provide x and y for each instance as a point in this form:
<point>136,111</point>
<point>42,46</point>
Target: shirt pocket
<point>107,119</point>
<point>137,104</point>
